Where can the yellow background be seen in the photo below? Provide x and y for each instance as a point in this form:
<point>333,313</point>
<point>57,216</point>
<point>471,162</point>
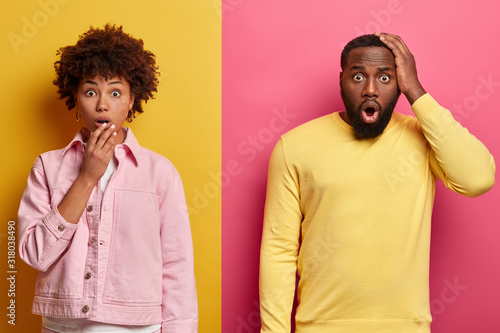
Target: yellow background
<point>182,123</point>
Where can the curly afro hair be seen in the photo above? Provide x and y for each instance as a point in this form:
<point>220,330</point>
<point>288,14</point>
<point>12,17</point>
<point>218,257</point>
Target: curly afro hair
<point>107,52</point>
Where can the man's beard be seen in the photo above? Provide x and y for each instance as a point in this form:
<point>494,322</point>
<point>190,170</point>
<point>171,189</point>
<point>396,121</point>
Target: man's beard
<point>363,130</point>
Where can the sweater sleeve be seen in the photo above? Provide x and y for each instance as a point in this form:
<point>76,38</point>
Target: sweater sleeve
<point>458,158</point>
<point>280,244</point>
<point>44,233</point>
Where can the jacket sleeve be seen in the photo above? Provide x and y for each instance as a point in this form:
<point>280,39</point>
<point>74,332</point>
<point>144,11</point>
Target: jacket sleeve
<point>179,301</point>
<point>280,244</point>
<point>44,234</point>
<point>458,158</point>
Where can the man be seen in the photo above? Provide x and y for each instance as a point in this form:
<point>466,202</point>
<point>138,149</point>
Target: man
<point>349,201</point>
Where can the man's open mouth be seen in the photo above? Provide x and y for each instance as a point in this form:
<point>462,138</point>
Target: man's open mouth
<point>370,112</point>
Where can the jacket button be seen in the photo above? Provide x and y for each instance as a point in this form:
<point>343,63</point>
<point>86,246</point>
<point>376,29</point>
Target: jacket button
<point>90,208</point>
<point>85,308</point>
<point>60,228</point>
<point>88,275</point>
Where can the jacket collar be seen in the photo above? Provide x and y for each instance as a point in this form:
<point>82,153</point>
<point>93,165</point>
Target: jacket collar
<point>129,145</point>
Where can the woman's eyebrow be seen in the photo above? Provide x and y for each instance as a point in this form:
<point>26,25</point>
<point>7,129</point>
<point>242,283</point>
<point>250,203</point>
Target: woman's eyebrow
<point>95,83</point>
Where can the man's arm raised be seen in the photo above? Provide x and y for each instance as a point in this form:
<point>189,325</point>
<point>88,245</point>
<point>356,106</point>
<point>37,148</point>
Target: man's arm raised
<point>456,157</point>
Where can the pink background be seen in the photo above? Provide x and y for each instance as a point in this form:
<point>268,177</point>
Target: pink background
<point>280,69</point>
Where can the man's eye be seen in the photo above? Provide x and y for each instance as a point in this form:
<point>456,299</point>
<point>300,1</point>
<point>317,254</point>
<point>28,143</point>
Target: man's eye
<point>358,77</point>
<point>115,94</point>
<point>90,93</point>
<point>385,78</point>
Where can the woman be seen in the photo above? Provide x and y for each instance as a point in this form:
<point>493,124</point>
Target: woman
<point>105,220</point>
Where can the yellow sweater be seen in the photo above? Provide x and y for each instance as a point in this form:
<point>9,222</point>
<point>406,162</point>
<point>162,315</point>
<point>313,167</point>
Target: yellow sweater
<point>352,219</point>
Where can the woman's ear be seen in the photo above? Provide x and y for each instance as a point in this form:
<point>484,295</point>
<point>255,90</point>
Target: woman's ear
<point>131,103</point>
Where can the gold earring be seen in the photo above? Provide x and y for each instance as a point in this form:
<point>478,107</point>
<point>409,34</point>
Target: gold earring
<point>130,116</point>
<point>78,115</point>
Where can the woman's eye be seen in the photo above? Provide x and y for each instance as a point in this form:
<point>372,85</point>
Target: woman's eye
<point>115,94</point>
<point>90,93</point>
<point>385,78</point>
<point>358,77</point>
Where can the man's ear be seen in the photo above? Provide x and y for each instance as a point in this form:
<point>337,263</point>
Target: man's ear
<point>340,78</point>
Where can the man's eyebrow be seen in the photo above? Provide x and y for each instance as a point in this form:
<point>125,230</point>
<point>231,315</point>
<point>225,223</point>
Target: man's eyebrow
<point>355,67</point>
<point>380,69</point>
<point>385,69</point>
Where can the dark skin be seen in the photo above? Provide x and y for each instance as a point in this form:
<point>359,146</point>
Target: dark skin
<point>383,71</point>
<point>97,97</point>
<point>406,68</point>
<point>370,75</point>
<point>99,151</point>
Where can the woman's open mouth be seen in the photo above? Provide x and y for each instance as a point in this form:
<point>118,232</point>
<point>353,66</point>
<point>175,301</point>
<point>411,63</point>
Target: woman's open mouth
<point>101,121</point>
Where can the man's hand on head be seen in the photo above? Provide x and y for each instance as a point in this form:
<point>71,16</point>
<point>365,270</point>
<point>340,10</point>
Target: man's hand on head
<point>406,69</point>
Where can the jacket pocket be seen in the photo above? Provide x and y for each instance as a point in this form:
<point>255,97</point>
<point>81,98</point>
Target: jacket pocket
<point>134,274</point>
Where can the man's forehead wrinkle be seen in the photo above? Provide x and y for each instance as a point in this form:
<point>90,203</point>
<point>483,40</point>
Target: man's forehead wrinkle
<point>367,57</point>
<point>365,62</point>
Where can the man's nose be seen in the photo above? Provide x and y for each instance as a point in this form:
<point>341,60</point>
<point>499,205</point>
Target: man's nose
<point>370,89</point>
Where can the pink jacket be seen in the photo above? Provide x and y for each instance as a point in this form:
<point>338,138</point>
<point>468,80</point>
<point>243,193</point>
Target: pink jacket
<point>128,261</point>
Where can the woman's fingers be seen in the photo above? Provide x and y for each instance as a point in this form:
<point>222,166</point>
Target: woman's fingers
<point>99,151</point>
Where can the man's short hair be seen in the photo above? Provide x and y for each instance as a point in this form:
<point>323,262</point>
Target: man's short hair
<point>361,41</point>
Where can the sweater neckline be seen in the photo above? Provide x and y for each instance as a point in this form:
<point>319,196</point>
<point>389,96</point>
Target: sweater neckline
<point>338,119</point>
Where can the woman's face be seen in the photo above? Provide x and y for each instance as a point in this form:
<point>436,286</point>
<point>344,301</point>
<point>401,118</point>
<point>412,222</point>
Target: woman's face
<point>104,101</point>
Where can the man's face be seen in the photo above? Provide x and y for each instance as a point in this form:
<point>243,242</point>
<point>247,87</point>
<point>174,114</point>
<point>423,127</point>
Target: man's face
<point>369,89</point>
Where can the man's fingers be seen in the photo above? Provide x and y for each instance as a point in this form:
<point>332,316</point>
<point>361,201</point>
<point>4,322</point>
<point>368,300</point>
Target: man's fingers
<point>406,69</point>
<point>395,43</point>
